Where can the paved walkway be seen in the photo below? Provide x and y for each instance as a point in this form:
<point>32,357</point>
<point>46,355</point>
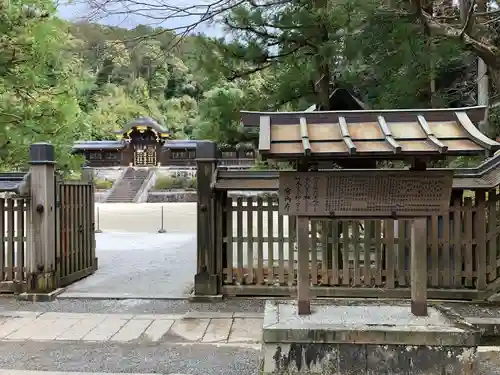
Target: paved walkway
<point>191,343</point>
<point>189,328</point>
<point>195,343</point>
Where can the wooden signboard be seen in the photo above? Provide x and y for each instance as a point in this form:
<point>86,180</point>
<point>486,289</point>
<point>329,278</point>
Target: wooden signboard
<point>379,193</point>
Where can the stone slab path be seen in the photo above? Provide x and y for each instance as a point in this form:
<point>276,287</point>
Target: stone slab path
<point>196,327</point>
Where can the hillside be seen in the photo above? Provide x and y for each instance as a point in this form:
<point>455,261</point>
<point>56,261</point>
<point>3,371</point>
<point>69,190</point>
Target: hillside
<point>65,81</point>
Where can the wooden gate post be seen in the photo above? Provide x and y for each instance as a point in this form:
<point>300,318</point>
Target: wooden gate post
<point>206,278</point>
<point>41,254</point>
<point>418,277</point>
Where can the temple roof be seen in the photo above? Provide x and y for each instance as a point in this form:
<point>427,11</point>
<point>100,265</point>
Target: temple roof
<point>180,144</point>
<point>97,145</point>
<point>381,134</point>
<point>143,121</point>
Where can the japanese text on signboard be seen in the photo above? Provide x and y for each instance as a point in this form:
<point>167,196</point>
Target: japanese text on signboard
<point>370,193</point>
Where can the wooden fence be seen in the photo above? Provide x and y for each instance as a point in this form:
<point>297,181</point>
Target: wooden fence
<point>246,248</point>
<point>75,254</point>
<point>47,236</point>
<point>372,256</point>
<point>13,238</point>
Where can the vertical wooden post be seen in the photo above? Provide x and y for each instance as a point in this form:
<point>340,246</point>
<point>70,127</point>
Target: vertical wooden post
<point>303,249</point>
<point>41,254</point>
<point>206,280</point>
<point>479,233</point>
<point>419,267</point>
<point>221,246</point>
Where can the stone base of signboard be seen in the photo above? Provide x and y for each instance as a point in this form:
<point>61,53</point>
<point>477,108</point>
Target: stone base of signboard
<point>365,339</point>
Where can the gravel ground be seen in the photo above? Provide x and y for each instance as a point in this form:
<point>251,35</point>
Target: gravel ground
<point>196,359</point>
<point>132,306</point>
<point>165,306</point>
<point>142,265</point>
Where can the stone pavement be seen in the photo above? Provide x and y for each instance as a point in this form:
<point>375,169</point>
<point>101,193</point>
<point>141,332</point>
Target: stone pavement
<point>193,327</point>
<point>78,337</point>
<point>191,343</point>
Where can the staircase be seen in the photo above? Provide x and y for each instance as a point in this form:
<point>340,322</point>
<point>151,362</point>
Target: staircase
<point>128,186</point>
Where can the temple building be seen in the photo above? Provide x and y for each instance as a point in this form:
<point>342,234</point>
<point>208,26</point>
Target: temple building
<point>145,143</point>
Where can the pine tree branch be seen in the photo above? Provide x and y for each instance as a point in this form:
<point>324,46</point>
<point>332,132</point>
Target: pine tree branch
<point>488,52</point>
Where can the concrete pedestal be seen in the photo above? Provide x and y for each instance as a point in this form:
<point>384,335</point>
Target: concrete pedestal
<point>365,339</point>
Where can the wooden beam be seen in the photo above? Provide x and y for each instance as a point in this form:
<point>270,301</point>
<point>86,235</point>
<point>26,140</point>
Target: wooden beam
<point>304,134</point>
<point>346,135</point>
<point>388,134</point>
<point>474,132</point>
<point>418,271</point>
<point>303,250</point>
<point>430,135</point>
<point>265,133</point>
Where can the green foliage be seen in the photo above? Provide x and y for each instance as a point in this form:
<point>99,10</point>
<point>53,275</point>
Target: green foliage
<point>62,82</point>
<point>174,182</point>
<point>39,86</point>
<point>103,184</point>
<point>494,119</point>
<point>260,165</point>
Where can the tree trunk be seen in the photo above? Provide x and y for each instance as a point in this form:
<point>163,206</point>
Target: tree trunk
<point>322,66</point>
<point>429,8</point>
<point>482,80</point>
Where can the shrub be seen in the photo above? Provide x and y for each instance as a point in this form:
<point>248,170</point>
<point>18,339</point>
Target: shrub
<point>103,184</point>
<point>175,182</point>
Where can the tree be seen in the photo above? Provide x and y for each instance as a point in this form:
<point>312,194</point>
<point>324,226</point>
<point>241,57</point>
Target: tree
<point>38,85</point>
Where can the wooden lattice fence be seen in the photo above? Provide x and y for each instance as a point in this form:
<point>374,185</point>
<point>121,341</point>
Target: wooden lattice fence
<point>13,238</point>
<point>75,255</point>
<point>47,236</point>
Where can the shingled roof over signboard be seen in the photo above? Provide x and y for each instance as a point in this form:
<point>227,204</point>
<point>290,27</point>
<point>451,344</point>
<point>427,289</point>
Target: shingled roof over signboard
<point>382,134</point>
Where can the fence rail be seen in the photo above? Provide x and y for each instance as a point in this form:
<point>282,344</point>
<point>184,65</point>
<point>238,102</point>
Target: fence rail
<point>259,255</point>
<point>13,239</point>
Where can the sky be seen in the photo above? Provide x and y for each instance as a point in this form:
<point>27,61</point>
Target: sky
<point>80,9</point>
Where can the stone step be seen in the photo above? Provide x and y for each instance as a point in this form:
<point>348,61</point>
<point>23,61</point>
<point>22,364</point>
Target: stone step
<point>128,186</point>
